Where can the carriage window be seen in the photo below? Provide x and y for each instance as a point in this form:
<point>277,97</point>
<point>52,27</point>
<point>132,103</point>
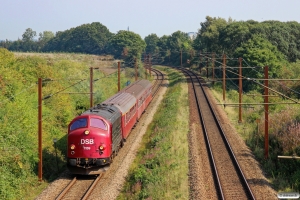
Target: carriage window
<point>98,123</point>
<point>79,123</point>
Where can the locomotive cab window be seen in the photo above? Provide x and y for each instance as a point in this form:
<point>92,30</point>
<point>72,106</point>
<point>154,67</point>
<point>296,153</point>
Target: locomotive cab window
<point>79,123</point>
<point>98,123</point>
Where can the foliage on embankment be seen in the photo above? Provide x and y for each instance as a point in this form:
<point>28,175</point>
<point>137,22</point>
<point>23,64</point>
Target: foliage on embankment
<point>19,113</point>
<point>284,132</point>
<point>161,167</point>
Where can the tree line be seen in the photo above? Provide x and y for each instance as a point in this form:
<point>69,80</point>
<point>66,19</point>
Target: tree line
<point>95,38</point>
<point>273,41</point>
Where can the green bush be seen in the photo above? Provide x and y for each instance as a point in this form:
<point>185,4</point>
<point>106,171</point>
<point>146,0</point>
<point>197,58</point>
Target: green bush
<point>19,111</point>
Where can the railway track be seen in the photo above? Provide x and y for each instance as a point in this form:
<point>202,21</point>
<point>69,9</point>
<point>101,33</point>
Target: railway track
<point>116,171</point>
<point>159,79</point>
<point>229,180</point>
<point>86,186</point>
<point>81,187</point>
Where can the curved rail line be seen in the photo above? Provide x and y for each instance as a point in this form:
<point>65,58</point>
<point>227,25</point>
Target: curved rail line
<point>155,89</point>
<point>159,79</point>
<point>222,192</point>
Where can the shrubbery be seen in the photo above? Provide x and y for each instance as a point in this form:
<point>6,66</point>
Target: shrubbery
<point>19,115</point>
<point>284,128</point>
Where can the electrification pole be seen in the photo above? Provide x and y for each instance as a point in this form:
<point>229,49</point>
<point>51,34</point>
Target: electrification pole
<point>207,68</point>
<point>200,58</point>
<point>213,68</point>
<point>145,63</point>
<point>119,87</point>
<point>91,87</point>
<point>135,67</point>
<point>224,82</point>
<point>180,58</point>
<point>40,166</point>
<point>240,90</point>
<point>266,112</point>
<point>149,58</point>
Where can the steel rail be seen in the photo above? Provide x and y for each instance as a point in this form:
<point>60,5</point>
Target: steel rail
<point>226,142</point>
<point>155,88</point>
<point>66,189</point>
<point>90,189</point>
<point>158,82</point>
<point>86,194</point>
<point>211,157</point>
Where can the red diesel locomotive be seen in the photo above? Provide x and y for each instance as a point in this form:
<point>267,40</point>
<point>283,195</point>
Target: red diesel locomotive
<point>95,136</point>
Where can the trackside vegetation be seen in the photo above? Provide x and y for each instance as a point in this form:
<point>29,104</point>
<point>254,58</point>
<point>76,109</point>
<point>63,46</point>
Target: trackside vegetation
<point>19,112</point>
<point>160,170</point>
<point>284,134</point>
<point>269,43</point>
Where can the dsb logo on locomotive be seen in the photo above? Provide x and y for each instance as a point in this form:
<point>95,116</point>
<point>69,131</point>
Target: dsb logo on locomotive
<point>87,141</point>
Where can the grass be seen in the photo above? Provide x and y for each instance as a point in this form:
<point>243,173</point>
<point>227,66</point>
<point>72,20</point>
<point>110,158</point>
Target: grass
<point>107,64</point>
<point>18,117</point>
<point>161,166</point>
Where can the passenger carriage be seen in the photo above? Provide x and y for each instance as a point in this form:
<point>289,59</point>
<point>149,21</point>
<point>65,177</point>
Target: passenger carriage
<point>141,90</point>
<point>95,136</point>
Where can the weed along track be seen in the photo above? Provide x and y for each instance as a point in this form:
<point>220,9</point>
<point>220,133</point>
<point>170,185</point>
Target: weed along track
<point>228,181</point>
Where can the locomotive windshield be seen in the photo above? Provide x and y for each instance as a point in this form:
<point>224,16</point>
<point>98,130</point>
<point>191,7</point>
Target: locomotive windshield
<point>79,123</point>
<point>98,123</point>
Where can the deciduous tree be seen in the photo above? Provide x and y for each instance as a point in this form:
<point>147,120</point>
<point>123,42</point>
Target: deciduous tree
<point>151,42</point>
<point>259,52</point>
<point>128,40</point>
<point>28,35</point>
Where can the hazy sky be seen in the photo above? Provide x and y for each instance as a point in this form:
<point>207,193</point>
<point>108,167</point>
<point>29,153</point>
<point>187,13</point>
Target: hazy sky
<point>143,17</point>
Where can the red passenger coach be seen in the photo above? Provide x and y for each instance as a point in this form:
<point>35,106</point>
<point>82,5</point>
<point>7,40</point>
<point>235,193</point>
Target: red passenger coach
<point>141,90</point>
<point>126,103</point>
<point>95,136</point>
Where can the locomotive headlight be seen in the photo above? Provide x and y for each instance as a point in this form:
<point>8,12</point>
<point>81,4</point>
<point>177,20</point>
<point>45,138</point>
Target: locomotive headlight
<point>72,146</point>
<point>102,147</point>
<point>86,132</point>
